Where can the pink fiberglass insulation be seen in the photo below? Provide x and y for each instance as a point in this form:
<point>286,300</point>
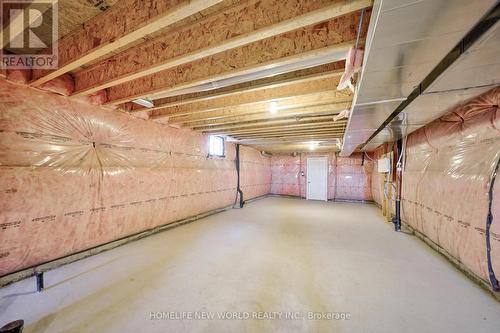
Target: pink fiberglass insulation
<point>376,185</point>
<point>285,175</point>
<point>349,178</point>
<point>353,180</point>
<point>449,165</point>
<point>62,85</point>
<point>255,173</point>
<point>353,64</point>
<point>74,176</point>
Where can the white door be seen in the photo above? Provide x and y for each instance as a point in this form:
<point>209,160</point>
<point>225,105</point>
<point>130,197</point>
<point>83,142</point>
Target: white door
<point>317,178</point>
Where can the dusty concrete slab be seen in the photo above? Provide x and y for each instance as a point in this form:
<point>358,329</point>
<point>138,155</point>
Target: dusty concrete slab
<point>276,255</point>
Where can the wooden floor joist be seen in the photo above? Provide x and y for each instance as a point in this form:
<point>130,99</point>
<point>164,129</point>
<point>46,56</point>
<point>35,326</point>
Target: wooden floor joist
<point>282,135</point>
<point>287,129</point>
<point>284,148</point>
<point>124,23</point>
<point>282,80</point>
<point>285,141</point>
<point>329,38</point>
<point>286,144</point>
<point>294,138</point>
<point>262,108</point>
<point>283,96</point>
<point>271,134</point>
<point>236,26</point>
<point>302,141</point>
<point>327,109</point>
<point>263,125</point>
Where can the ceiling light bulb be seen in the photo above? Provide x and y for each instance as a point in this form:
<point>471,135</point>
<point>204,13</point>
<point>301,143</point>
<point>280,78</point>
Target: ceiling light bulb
<point>313,145</point>
<point>273,107</point>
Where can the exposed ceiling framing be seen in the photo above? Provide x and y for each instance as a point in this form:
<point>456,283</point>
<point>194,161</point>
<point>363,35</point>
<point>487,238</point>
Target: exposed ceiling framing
<point>261,72</point>
<point>265,72</point>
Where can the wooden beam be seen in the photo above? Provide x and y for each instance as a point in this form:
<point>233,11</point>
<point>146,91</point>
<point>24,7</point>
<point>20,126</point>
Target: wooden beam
<point>287,124</point>
<point>287,129</point>
<point>126,22</point>
<point>269,134</point>
<point>263,123</point>
<point>324,86</point>
<point>329,38</point>
<point>280,135</point>
<point>302,139</point>
<point>313,124</point>
<point>326,142</point>
<point>269,137</point>
<point>283,106</point>
<point>229,29</point>
<point>262,143</point>
<point>330,109</point>
<point>294,147</point>
<point>326,71</point>
<point>272,146</point>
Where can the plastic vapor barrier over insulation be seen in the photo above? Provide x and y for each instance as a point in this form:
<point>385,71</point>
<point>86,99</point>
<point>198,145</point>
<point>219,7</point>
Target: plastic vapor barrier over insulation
<point>446,180</point>
<point>74,176</point>
<point>255,173</point>
<point>376,185</point>
<point>349,178</point>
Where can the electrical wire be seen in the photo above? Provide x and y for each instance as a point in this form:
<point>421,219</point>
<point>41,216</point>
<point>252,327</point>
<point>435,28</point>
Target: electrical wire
<point>359,26</point>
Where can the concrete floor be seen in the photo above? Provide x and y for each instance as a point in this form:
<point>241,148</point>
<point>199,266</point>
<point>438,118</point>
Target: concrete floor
<point>275,255</point>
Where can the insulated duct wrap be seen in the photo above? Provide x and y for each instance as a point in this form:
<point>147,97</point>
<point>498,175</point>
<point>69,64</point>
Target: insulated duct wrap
<point>446,179</point>
<point>74,176</point>
<point>349,178</point>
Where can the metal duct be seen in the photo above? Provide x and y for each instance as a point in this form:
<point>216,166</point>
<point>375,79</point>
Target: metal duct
<point>466,71</point>
<point>406,40</point>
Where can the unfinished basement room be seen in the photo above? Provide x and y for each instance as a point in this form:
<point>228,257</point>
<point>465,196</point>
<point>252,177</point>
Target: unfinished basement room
<point>250,166</point>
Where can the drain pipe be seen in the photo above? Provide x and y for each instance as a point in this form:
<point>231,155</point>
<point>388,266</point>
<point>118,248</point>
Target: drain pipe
<point>397,218</point>
<point>489,221</point>
<point>39,281</point>
<point>238,189</point>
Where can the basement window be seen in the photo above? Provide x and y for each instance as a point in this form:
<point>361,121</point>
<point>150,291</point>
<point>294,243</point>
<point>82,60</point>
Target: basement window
<point>216,147</point>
